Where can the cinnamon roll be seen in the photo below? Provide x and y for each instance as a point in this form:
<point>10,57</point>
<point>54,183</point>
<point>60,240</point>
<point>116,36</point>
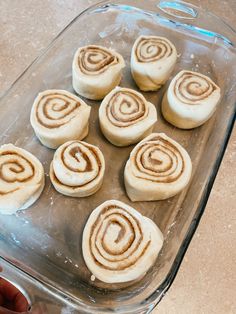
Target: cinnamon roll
<point>21,179</point>
<point>152,60</point>
<point>96,71</point>
<point>119,244</point>
<point>77,169</point>
<point>158,168</point>
<point>58,116</point>
<point>190,100</point>
<point>126,117</point>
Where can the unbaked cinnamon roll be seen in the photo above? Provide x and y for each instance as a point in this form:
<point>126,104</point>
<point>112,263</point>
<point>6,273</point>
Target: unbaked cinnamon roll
<point>190,100</point>
<point>58,116</point>
<point>77,169</point>
<point>126,117</point>
<point>158,168</point>
<point>119,244</point>
<point>96,70</point>
<point>152,60</point>
<point>21,179</point>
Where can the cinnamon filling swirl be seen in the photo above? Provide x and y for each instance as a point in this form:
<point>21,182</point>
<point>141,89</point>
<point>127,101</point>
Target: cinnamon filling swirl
<point>191,88</point>
<point>21,179</point>
<point>152,49</point>
<point>159,161</point>
<point>126,108</point>
<point>119,244</point>
<point>94,60</point>
<point>116,239</point>
<point>14,170</point>
<point>56,110</point>
<point>80,158</point>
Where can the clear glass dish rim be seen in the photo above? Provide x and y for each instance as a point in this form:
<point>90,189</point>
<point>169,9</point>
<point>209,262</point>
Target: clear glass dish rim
<point>153,299</point>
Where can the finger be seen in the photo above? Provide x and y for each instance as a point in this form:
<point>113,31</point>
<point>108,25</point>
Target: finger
<point>12,297</point>
<point>3,310</point>
<point>21,303</point>
<point>1,300</point>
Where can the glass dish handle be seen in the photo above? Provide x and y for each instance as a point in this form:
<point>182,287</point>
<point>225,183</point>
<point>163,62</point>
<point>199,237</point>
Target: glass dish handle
<point>178,9</point>
<point>182,12</point>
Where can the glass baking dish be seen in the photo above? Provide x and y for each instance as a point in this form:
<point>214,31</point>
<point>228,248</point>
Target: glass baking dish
<point>45,240</point>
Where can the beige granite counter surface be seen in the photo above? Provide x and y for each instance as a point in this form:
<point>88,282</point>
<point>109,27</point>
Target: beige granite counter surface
<point>206,281</point>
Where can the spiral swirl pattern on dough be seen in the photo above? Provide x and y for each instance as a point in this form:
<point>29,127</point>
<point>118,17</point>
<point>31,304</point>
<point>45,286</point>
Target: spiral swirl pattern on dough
<point>152,60</point>
<point>57,116</point>
<point>190,100</point>
<point>126,248</point>
<point>15,168</point>
<point>77,169</point>
<point>21,178</point>
<point>96,70</point>
<point>56,109</point>
<point>150,49</point>
<point>117,240</point>
<point>93,60</point>
<point>190,88</point>
<point>125,108</point>
<point>126,117</point>
<point>158,168</point>
<point>158,161</point>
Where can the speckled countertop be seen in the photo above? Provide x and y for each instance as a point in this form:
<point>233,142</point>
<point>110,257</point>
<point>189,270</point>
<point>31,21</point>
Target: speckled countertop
<point>206,281</point>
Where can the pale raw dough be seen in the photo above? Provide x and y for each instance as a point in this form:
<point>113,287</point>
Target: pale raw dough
<point>77,169</point>
<point>21,179</point>
<point>96,70</point>
<point>153,59</point>
<point>119,244</point>
<point>158,168</point>
<point>58,116</point>
<point>190,100</point>
<point>126,117</point>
